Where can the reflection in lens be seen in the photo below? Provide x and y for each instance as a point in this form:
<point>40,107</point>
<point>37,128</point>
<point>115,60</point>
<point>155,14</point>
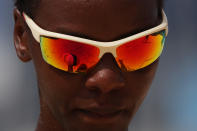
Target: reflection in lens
<point>141,52</point>
<point>69,55</point>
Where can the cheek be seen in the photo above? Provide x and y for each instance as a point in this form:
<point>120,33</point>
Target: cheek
<point>51,80</point>
<point>141,80</point>
<point>139,83</point>
<point>57,88</point>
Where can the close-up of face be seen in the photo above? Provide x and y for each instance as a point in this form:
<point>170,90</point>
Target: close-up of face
<point>105,96</point>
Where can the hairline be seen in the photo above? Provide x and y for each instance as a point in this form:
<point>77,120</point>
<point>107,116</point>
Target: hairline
<point>29,6</point>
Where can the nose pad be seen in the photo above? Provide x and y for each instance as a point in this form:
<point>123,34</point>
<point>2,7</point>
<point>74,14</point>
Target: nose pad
<point>109,61</point>
<point>106,77</point>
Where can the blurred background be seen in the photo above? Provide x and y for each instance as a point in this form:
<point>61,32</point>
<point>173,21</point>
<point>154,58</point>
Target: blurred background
<point>171,104</point>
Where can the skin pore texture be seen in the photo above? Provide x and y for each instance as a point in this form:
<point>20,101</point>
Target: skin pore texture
<point>105,98</point>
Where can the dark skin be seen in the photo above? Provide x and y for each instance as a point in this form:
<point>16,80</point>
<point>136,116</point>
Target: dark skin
<point>105,98</point>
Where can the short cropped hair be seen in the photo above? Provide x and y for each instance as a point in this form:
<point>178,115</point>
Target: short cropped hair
<point>29,6</point>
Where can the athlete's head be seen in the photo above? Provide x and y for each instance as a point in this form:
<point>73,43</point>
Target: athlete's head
<point>105,94</point>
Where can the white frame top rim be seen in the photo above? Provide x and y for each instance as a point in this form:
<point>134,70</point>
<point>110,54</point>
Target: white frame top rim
<point>38,32</point>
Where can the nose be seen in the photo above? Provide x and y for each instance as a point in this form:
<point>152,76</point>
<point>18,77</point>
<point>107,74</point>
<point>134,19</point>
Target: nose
<point>106,79</point>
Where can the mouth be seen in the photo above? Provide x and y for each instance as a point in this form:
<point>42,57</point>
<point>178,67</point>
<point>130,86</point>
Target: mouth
<point>100,116</point>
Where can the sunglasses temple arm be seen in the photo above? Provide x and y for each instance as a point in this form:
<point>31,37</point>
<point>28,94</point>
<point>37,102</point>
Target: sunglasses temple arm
<point>36,31</point>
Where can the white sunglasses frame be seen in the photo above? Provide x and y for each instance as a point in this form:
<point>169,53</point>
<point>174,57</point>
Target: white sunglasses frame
<point>104,47</point>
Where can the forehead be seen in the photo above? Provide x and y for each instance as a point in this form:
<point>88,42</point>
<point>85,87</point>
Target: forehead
<point>97,19</point>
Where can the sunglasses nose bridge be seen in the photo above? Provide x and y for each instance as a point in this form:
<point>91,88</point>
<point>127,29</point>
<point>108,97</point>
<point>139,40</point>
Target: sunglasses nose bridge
<point>111,49</point>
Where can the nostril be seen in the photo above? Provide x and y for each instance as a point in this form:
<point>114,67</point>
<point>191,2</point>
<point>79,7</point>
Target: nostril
<point>95,89</point>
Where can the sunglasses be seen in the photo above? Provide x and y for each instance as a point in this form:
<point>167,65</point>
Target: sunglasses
<point>75,54</point>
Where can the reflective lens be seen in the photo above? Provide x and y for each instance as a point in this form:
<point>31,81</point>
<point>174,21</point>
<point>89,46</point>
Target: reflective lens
<point>140,52</point>
<point>69,55</point>
<point>79,57</point>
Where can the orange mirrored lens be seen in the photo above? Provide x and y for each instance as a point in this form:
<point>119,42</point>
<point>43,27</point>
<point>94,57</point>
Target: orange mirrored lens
<point>69,55</point>
<point>141,52</point>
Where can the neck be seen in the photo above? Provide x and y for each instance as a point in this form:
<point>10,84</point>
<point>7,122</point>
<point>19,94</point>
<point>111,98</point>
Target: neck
<point>46,121</point>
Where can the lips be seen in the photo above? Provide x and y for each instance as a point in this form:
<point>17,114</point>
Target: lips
<point>95,113</point>
<point>101,112</point>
